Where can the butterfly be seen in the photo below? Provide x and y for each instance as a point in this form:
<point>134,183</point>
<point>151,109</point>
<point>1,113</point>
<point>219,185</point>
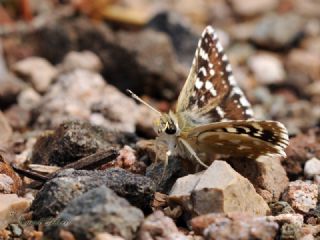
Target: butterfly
<point>212,114</point>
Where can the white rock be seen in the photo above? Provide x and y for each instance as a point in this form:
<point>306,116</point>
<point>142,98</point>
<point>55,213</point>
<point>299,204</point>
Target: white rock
<point>312,168</point>
<point>83,60</point>
<point>218,189</point>
<point>38,71</point>
<point>267,68</point>
<point>28,98</point>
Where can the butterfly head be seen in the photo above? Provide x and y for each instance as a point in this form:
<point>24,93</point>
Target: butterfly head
<point>166,124</point>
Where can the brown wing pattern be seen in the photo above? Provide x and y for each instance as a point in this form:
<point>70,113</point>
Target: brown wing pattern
<point>210,92</point>
<point>241,138</point>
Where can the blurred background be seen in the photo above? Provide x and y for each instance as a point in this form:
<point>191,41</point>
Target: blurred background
<point>148,46</point>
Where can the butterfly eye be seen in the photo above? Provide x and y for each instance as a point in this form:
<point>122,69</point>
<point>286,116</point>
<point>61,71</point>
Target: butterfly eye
<point>171,129</point>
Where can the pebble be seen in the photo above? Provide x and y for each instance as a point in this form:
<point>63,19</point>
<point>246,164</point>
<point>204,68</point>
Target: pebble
<point>73,140</point>
<point>312,168</point>
<point>250,8</point>
<point>81,60</point>
<point>72,96</point>
<point>234,226</point>
<point>157,224</point>
<point>302,196</point>
<point>266,174</point>
<point>219,189</point>
<point>277,31</point>
<point>303,67</point>
<point>28,98</point>
<point>5,129</point>
<point>11,86</point>
<point>38,71</point>
<point>11,208</point>
<point>69,184</point>
<point>97,211</point>
<point>290,218</point>
<point>267,68</point>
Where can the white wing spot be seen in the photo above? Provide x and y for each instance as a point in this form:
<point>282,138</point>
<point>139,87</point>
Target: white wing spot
<point>204,71</point>
<point>210,65</point>
<point>209,85</point>
<point>219,47</point>
<point>232,80</point>
<point>244,102</point>
<point>199,83</point>
<point>220,112</point>
<point>231,130</point>
<point>228,68</point>
<point>212,72</point>
<point>224,57</point>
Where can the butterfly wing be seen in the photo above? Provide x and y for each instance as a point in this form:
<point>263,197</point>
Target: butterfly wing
<point>210,92</point>
<point>249,138</point>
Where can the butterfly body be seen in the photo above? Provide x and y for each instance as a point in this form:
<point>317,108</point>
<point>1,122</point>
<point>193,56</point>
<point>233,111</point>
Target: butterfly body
<point>213,115</point>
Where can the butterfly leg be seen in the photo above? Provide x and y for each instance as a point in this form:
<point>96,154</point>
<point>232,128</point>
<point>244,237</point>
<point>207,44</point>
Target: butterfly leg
<point>192,152</point>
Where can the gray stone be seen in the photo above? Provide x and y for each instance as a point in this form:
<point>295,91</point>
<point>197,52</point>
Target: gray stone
<point>97,211</point>
<point>83,60</point>
<point>267,68</point>
<point>277,31</point>
<point>72,97</point>
<point>74,140</point>
<point>38,71</point>
<point>61,190</point>
<point>250,8</point>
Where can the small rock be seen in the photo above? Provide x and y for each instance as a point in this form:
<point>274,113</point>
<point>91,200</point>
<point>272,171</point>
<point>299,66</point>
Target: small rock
<point>72,96</point>
<point>11,86</point>
<point>38,71</point>
<point>280,207</point>
<point>83,60</point>
<point>301,148</point>
<point>18,117</point>
<point>302,196</point>
<point>11,208</point>
<point>97,211</point>
<point>290,231</point>
<point>127,160</point>
<point>163,176</point>
<point>303,68</point>
<point>267,68</point>
<point>159,226</point>
<point>184,41</point>
<point>218,189</point>
<point>74,140</point>
<point>68,184</point>
<point>234,226</point>
<point>312,167</point>
<point>154,58</point>
<point>28,99</point>
<point>5,129</point>
<point>107,236</point>
<point>277,31</point>
<point>10,182</point>
<point>250,8</point>
<point>290,218</point>
<point>265,173</point>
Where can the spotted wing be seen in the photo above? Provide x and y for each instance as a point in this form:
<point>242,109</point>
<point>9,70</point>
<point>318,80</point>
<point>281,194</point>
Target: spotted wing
<point>248,138</point>
<point>210,92</point>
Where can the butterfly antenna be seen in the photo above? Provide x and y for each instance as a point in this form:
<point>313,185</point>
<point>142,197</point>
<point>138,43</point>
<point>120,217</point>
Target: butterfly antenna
<point>134,96</point>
